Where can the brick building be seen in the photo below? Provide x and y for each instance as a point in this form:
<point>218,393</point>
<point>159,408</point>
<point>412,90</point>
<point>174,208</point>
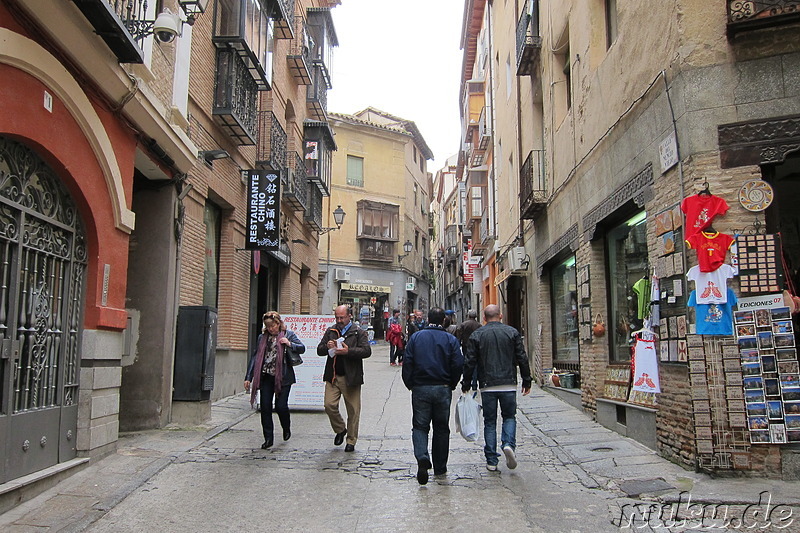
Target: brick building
<point>608,115</point>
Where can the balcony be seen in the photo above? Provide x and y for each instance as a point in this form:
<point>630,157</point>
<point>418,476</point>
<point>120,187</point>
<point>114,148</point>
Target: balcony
<point>484,129</point>
<point>295,185</point>
<point>299,58</point>
<point>529,42</point>
<point>283,15</point>
<point>376,250</point>
<point>314,209</point>
<point>271,147</point>
<point>532,186</point>
<point>317,95</point>
<point>121,25</point>
<point>323,40</point>
<point>235,98</point>
<point>755,14</point>
<point>319,144</point>
<point>246,27</point>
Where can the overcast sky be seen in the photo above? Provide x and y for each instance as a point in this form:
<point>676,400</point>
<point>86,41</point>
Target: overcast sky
<point>403,58</point>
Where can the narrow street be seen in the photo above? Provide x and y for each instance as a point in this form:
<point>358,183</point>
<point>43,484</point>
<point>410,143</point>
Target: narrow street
<point>573,476</point>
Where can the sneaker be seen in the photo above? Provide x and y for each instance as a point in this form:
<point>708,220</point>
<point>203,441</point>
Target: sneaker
<point>511,457</point>
<point>423,465</point>
<point>491,468</point>
<point>392,364</point>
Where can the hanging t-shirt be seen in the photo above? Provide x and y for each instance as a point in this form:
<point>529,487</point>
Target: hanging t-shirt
<point>713,319</point>
<point>711,249</point>
<point>645,366</point>
<point>711,286</point>
<point>642,290</point>
<point>700,210</point>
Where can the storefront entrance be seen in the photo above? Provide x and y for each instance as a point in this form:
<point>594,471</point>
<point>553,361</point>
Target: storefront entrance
<point>42,271</point>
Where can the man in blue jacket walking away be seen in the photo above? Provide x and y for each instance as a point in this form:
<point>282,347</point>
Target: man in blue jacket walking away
<point>432,367</point>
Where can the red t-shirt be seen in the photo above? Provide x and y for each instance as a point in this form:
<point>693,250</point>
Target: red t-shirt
<point>700,210</point>
<point>711,249</point>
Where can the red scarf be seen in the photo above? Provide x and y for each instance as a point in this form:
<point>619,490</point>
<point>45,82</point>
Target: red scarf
<point>260,353</point>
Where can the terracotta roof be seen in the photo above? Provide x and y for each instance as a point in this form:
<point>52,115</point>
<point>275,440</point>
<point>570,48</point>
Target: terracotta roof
<point>395,124</point>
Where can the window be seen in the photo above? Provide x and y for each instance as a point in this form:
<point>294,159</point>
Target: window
<point>415,153</point>
<point>568,78</point>
<point>564,302</point>
<point>416,239</point>
<point>611,22</point>
<point>627,263</point>
<point>377,220</point>
<point>355,171</point>
<point>415,194</point>
<point>476,202</point>
<point>211,219</point>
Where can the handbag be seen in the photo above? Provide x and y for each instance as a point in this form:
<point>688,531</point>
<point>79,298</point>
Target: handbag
<point>293,358</point>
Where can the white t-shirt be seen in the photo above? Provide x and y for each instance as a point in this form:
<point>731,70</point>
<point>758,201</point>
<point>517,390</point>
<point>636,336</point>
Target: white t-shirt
<point>712,287</point>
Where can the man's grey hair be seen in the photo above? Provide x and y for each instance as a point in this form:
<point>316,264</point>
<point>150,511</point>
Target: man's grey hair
<point>472,314</point>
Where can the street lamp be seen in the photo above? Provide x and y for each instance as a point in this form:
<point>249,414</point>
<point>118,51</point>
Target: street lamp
<point>407,247</point>
<point>338,218</point>
<point>440,255</point>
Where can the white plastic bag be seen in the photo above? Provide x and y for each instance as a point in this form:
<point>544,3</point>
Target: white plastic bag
<point>468,417</point>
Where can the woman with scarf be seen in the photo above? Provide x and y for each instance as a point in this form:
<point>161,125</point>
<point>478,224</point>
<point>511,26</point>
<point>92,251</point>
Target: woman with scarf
<point>271,373</point>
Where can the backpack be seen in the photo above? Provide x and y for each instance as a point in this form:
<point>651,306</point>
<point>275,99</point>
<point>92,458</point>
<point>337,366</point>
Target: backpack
<point>395,335</point>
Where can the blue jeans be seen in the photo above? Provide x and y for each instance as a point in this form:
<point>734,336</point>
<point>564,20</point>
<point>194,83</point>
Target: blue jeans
<point>431,403</point>
<point>281,405</point>
<point>508,434</point>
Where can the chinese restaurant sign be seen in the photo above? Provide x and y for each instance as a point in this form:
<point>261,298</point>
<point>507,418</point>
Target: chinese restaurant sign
<point>263,211</point>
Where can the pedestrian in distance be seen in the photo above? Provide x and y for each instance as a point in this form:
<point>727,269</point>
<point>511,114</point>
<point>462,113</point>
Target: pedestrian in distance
<point>346,345</point>
<point>394,336</point>
<point>449,323</point>
<point>497,350</point>
<point>432,369</point>
<point>416,322</point>
<point>462,333</point>
<point>271,373</point>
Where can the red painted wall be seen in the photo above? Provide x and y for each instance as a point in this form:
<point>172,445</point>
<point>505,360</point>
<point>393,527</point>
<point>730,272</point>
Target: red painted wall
<point>58,139</point>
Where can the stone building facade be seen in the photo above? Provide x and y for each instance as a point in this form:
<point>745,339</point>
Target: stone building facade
<point>380,256</point>
<point>617,112</point>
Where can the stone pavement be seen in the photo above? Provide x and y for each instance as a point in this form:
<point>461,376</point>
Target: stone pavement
<point>574,476</point>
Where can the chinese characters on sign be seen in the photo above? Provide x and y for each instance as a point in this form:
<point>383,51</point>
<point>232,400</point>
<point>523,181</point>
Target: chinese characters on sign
<point>263,211</point>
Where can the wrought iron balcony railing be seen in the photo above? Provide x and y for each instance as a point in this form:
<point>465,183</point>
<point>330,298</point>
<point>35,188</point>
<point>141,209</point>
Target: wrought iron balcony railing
<point>532,186</point>
<point>529,42</point>
<point>271,148</point>
<point>744,15</point>
<point>299,58</point>
<point>235,97</point>
<point>284,19</point>
<point>295,188</point>
<point>317,95</point>
<point>122,24</point>
<point>314,209</point>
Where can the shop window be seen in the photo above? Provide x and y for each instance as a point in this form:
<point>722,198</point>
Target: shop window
<point>627,263</point>
<point>563,291</point>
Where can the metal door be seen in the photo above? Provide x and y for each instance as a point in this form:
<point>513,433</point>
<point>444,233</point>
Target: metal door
<point>42,270</point>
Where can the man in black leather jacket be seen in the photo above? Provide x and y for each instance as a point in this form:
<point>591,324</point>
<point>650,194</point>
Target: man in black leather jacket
<point>497,350</point>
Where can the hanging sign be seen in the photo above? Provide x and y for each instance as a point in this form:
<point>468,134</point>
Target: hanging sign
<point>263,210</point>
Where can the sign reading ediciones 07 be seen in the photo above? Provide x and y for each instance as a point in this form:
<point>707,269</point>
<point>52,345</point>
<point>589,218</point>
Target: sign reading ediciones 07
<point>263,210</point>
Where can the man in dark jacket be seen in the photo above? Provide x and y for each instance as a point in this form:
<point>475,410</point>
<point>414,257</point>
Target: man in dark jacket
<point>497,350</point>
<point>431,370</point>
<point>344,374</point>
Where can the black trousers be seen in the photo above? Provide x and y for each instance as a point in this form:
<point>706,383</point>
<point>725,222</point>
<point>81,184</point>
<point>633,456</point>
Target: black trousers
<point>281,403</point>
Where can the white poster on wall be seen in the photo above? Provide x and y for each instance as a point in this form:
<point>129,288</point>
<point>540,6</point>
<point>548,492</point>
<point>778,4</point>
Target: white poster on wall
<point>309,391</point>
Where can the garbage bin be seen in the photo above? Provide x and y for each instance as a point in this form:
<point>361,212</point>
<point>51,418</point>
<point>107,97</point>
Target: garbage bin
<point>567,380</point>
<point>195,351</point>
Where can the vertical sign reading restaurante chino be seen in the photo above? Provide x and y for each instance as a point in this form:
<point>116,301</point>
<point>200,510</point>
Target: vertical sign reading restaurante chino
<point>263,211</point>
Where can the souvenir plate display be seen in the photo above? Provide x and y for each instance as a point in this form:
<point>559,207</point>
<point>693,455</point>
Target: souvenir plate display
<point>760,268</point>
<point>770,377</point>
<point>756,195</point>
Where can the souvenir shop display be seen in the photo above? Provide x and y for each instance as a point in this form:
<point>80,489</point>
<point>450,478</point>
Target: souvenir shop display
<point>667,295</point>
<point>584,308</point>
<point>712,247</point>
<point>760,269</point>
<point>644,367</point>
<point>756,195</point>
<point>700,209</point>
<point>770,379</point>
<point>715,318</point>
<point>617,382</point>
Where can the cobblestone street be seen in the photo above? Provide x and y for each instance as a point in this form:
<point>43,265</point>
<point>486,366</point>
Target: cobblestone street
<point>573,476</point>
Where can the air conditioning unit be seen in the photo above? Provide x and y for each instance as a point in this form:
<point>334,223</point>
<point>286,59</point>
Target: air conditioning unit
<point>411,284</point>
<point>517,258</point>
<point>341,274</point>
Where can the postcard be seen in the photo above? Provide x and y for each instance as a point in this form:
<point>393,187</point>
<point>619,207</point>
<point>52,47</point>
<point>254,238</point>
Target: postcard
<point>757,422</point>
<point>750,356</point>
<point>667,243</point>
<point>784,340</point>
<point>792,421</point>
<point>791,408</point>
<point>790,395</point>
<point>745,330</point>
<point>771,387</point>
<point>786,354</point>
<point>756,409</point>
<point>765,340</point>
<point>754,395</point>
<point>789,381</point>
<point>788,367</point>
<point>751,369</point>
<point>748,343</point>
<point>781,313</point>
<point>677,217</point>
<point>743,316</point>
<point>752,382</point>
<point>663,222</point>
<point>774,409</point>
<point>777,433</point>
<point>763,317</point>
<point>768,363</point>
<point>759,437</point>
<point>782,326</point>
